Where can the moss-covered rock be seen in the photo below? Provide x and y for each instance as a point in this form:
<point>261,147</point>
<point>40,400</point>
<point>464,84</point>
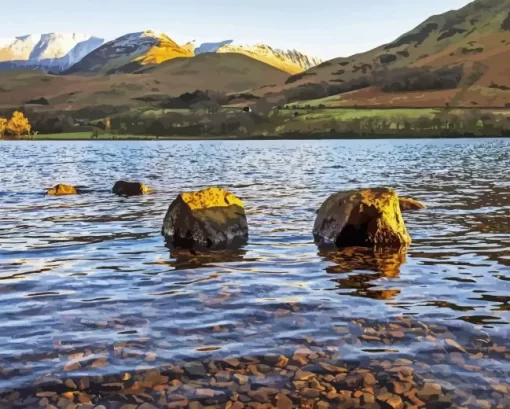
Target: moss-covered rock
<point>407,204</point>
<point>210,218</point>
<point>123,188</point>
<point>367,218</point>
<point>63,190</point>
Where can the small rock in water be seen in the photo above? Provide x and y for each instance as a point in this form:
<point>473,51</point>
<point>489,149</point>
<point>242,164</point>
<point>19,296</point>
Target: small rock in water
<point>62,190</point>
<point>123,188</point>
<point>408,204</point>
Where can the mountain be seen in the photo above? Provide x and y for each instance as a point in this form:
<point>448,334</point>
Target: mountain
<point>461,57</point>
<point>290,61</point>
<point>130,53</point>
<point>51,52</point>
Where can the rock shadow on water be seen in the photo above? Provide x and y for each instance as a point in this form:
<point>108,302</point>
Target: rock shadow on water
<point>185,259</point>
<point>368,265</point>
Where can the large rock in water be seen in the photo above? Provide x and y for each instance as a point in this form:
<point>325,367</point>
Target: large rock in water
<point>123,188</point>
<point>365,218</point>
<point>211,218</point>
<point>62,190</point>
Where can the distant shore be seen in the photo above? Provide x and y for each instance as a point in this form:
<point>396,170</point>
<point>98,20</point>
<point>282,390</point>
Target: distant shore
<point>70,137</point>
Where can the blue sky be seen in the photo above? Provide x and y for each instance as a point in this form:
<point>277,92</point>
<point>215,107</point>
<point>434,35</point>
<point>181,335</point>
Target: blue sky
<point>327,28</point>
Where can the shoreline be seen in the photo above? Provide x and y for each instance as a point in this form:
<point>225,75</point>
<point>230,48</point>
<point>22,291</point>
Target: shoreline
<point>55,138</point>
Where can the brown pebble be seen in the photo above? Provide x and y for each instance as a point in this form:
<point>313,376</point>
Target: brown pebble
<point>84,398</point>
<point>71,366</point>
<point>323,405</point>
<point>332,395</point>
<point>369,379</point>
<point>303,375</point>
<point>45,394</point>
<point>99,363</point>
<point>232,362</point>
<point>429,391</point>
<point>368,398</point>
<point>332,368</point>
<point>282,363</point>
<point>242,379</point>
<point>311,393</point>
<point>147,405</point>
<point>455,345</point>
<point>70,384</point>
<point>395,402</point>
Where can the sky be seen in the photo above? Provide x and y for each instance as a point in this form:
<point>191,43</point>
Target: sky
<point>325,28</point>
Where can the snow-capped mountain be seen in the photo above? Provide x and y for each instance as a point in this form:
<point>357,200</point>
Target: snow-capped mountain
<point>291,61</point>
<point>130,52</point>
<point>51,52</point>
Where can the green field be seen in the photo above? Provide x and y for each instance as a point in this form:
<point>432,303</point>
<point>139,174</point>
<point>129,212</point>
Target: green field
<point>87,136</point>
<point>348,114</point>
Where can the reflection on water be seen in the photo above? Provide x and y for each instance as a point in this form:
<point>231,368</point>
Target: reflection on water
<point>88,278</point>
<point>368,265</point>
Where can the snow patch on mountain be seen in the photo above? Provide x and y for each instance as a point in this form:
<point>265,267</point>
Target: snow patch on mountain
<point>291,61</point>
<point>211,47</point>
<point>51,51</point>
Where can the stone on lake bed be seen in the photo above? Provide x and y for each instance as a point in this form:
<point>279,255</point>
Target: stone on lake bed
<point>122,188</point>
<point>362,218</point>
<point>211,218</point>
<point>407,204</point>
<point>62,190</point>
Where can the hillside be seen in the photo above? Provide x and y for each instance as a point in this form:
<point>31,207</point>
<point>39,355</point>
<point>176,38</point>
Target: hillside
<point>215,72</point>
<point>461,57</point>
<point>290,61</point>
<point>130,53</point>
<point>51,52</point>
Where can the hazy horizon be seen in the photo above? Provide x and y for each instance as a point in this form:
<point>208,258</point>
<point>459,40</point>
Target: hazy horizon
<point>326,28</point>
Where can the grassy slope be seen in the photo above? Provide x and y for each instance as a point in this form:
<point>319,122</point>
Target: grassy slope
<point>217,72</point>
<point>472,36</point>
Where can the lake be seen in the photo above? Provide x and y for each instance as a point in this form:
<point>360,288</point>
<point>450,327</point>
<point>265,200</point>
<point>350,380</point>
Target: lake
<point>96,310</point>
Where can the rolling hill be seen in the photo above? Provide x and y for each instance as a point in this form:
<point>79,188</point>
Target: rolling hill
<point>461,57</point>
<point>214,72</point>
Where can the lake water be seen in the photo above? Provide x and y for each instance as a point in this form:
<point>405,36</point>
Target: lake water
<point>84,277</point>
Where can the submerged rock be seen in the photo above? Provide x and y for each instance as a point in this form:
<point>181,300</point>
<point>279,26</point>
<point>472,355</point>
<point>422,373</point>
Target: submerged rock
<point>366,218</point>
<point>62,190</point>
<point>408,204</point>
<point>122,188</point>
<point>210,218</point>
